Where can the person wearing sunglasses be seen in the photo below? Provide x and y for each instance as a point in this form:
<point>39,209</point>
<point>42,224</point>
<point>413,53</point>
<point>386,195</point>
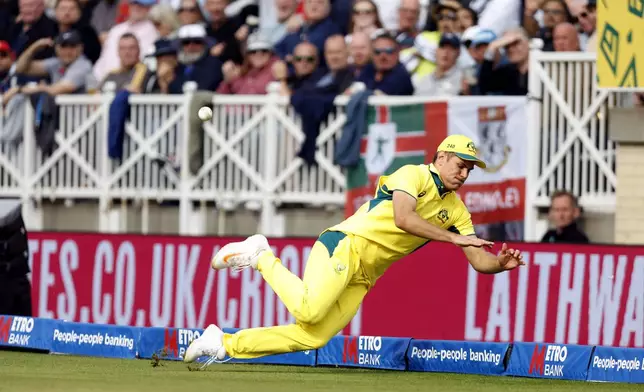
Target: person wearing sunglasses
<point>444,17</point>
<point>386,75</point>
<point>364,18</point>
<point>306,75</point>
<point>587,18</point>
<point>254,75</point>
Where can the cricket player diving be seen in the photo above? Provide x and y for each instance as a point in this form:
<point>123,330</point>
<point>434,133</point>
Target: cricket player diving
<point>411,207</point>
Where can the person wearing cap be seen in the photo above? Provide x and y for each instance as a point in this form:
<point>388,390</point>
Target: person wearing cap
<point>200,66</point>
<point>476,41</point>
<point>166,59</point>
<point>255,74</point>
<point>386,75</point>
<point>68,71</point>
<point>413,206</point>
<point>68,15</point>
<point>137,24</point>
<point>446,80</point>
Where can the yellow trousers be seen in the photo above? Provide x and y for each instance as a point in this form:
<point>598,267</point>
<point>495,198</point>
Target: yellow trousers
<point>323,302</point>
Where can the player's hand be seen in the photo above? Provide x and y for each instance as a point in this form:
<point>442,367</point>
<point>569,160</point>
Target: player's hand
<point>470,240</point>
<point>509,258</point>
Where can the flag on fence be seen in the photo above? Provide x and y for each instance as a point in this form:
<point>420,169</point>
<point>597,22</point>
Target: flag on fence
<point>410,134</point>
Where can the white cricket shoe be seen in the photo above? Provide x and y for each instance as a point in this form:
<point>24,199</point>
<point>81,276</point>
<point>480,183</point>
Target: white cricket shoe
<point>210,343</point>
<point>240,255</point>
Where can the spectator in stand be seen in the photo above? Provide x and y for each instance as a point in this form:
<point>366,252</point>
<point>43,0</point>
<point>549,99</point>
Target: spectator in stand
<point>32,25</point>
<point>532,17</point>
<point>444,17</point>
<point>7,78</point>
<point>137,24</point>
<point>287,21</point>
<point>68,70</point>
<point>447,78</point>
<point>408,15</point>
<point>563,214</point>
<point>222,30</point>
<point>255,74</point>
<point>307,73</point>
<point>566,38</point>
<point>554,13</point>
<point>476,47</point>
<point>199,65</point>
<point>131,73</point>
<point>317,28</point>
<point>365,18</point>
<point>165,20</point>
<point>510,78</point>
<point>160,81</point>
<point>587,18</point>
<point>498,15</point>
<point>359,52</point>
<point>386,75</point>
<point>68,15</point>
<point>104,17</point>
<point>467,18</point>
<point>189,13</point>
<point>340,75</point>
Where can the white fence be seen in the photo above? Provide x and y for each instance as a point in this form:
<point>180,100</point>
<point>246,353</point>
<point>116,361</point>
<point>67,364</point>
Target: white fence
<point>251,152</point>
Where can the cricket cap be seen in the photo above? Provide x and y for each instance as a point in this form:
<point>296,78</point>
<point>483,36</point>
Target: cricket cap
<point>463,147</point>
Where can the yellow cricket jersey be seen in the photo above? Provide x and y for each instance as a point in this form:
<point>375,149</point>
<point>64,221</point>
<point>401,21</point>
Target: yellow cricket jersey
<point>374,220</point>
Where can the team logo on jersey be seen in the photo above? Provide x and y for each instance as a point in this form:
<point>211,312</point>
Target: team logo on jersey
<point>494,148</point>
<point>443,216</point>
<point>381,147</point>
<point>421,194</point>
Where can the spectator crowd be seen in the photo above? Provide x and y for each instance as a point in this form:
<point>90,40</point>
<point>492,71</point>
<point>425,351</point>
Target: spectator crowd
<point>394,47</point>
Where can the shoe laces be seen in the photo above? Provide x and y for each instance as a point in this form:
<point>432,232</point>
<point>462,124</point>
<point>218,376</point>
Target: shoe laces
<point>213,359</point>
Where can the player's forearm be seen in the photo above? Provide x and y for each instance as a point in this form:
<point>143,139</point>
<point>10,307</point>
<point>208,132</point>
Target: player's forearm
<point>487,263</point>
<point>414,224</point>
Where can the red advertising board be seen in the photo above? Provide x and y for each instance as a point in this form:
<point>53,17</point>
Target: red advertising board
<point>566,293</point>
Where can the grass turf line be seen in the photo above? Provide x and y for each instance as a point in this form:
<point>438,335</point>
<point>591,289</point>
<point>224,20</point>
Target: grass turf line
<point>57,373</point>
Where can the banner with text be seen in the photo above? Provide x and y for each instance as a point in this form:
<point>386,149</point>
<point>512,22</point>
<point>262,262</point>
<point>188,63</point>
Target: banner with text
<point>410,134</point>
<point>613,364</point>
<point>568,294</point>
<point>94,340</point>
<point>365,351</point>
<point>457,357</point>
<point>564,362</point>
<point>27,332</point>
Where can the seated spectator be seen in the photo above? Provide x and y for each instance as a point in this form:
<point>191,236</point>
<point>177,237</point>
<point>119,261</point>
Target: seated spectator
<point>386,75</point>
<point>287,21</point>
<point>160,81</point>
<point>222,30</point>
<point>189,13</point>
<point>408,15</point>
<point>200,66</point>
<point>12,117</point>
<point>131,73</point>
<point>365,18</point>
<point>31,25</point>
<point>340,75</point>
<point>447,78</point>
<point>510,78</point>
<point>256,72</point>
<point>359,52</point>
<point>68,70</point>
<point>564,212</point>
<point>68,15</point>
<point>444,17</point>
<point>565,38</point>
<point>587,18</point>
<point>165,20</point>
<point>467,18</point>
<point>554,13</point>
<point>498,15</point>
<point>305,63</point>
<point>532,17</point>
<point>476,46</point>
<point>137,24</point>
<point>316,30</point>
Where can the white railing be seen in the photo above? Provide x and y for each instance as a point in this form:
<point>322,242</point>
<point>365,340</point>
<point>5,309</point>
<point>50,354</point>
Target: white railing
<point>251,145</point>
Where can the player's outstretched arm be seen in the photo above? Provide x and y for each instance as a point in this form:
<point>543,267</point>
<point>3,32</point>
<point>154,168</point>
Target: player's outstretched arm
<point>406,219</point>
<point>487,263</point>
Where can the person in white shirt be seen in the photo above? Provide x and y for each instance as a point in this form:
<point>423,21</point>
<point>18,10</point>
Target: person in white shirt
<point>137,24</point>
<point>447,78</point>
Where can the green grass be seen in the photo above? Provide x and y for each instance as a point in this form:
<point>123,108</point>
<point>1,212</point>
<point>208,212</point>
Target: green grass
<point>57,373</point>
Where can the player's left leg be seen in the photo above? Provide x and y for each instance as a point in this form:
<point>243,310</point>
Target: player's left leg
<point>259,342</point>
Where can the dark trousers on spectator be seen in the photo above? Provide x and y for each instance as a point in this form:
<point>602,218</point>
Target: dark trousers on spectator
<point>196,136</point>
<point>15,296</point>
